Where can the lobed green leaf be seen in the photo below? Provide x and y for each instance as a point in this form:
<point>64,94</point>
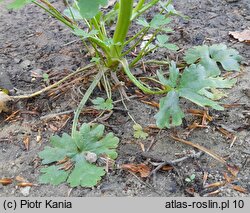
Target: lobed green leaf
<point>53,175</point>
<point>73,13</point>
<point>62,147</point>
<point>194,77</point>
<point>199,99</point>
<point>85,174</point>
<point>143,22</point>
<point>197,83</point>
<point>162,41</point>
<point>209,57</point>
<point>90,139</point>
<point>158,22</point>
<point>81,33</point>
<point>138,132</point>
<point>88,9</point>
<point>102,104</point>
<point>173,76</point>
<point>170,113</point>
<point>17,4</point>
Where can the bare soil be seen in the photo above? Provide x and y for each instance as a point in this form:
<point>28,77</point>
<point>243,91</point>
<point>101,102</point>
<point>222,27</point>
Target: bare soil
<point>32,44</point>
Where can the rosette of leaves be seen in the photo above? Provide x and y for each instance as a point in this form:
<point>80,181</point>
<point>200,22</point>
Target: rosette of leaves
<point>71,159</point>
<point>197,83</point>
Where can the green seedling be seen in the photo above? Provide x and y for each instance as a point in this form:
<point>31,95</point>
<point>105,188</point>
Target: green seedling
<point>199,82</point>
<point>102,104</point>
<point>138,132</point>
<point>190,179</point>
<point>46,78</point>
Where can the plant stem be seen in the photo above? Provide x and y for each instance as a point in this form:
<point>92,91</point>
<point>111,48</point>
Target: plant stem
<point>145,30</point>
<point>139,6</point>
<point>136,35</point>
<point>97,26</point>
<point>53,85</point>
<point>138,83</point>
<point>142,53</point>
<point>107,87</point>
<point>54,13</point>
<point>100,43</point>
<point>122,26</point>
<point>70,10</point>
<point>143,9</point>
<point>83,102</point>
<point>157,62</point>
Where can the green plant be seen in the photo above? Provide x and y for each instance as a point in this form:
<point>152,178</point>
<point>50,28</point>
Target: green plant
<point>46,78</point>
<point>102,104</point>
<point>74,158</point>
<point>190,179</point>
<point>111,48</point>
<point>199,82</point>
<point>138,132</point>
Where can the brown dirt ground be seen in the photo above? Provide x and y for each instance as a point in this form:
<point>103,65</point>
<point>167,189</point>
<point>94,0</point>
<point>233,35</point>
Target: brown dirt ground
<point>30,42</point>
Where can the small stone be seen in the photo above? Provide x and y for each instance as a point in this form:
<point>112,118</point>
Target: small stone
<point>91,157</point>
<point>37,72</point>
<point>247,18</point>
<point>246,92</point>
<point>25,64</point>
<point>25,191</point>
<point>210,176</point>
<point>5,81</point>
<point>17,60</point>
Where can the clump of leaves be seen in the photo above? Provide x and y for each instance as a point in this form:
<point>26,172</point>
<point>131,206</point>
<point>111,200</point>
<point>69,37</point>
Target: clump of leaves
<point>111,46</point>
<point>70,156</point>
<point>200,81</point>
<point>197,83</point>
